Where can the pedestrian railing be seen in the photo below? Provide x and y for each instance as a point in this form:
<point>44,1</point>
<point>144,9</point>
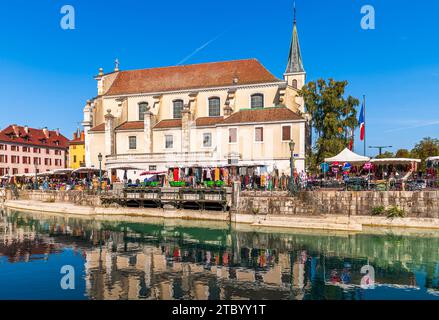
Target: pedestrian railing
<point>179,198</point>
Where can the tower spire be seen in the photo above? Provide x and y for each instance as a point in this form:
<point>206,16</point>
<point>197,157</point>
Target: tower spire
<point>295,63</point>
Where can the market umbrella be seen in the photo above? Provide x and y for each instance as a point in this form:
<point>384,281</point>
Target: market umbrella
<point>151,173</point>
<point>62,171</point>
<point>87,170</point>
<point>45,174</point>
<point>125,167</point>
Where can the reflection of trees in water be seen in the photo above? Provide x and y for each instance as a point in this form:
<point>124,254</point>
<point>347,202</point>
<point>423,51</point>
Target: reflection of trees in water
<point>218,263</point>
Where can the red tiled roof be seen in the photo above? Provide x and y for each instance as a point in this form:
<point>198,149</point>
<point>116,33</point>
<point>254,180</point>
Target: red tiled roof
<point>34,137</point>
<point>208,121</point>
<point>131,125</point>
<point>262,115</point>
<point>98,128</point>
<point>168,123</point>
<point>205,75</point>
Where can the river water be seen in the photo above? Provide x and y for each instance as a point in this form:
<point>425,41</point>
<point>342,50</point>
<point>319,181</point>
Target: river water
<point>59,257</point>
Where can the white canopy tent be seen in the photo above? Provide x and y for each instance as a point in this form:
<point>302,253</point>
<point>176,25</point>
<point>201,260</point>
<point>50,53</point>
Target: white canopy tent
<point>434,159</point>
<point>385,161</point>
<point>348,156</point>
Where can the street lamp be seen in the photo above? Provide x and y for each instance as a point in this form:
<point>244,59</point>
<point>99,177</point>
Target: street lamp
<point>380,148</point>
<point>100,171</point>
<point>9,176</point>
<point>292,182</point>
<point>36,177</point>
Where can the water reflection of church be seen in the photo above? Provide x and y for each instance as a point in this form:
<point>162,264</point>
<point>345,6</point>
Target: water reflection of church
<point>147,261</point>
<point>176,268</point>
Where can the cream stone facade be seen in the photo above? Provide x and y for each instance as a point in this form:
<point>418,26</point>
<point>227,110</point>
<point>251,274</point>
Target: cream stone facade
<point>207,115</point>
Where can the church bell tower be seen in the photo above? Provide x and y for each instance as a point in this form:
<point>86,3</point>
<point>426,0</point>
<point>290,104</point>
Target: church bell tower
<point>295,74</point>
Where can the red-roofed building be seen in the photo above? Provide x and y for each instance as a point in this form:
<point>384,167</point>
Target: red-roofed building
<point>208,114</point>
<point>25,150</point>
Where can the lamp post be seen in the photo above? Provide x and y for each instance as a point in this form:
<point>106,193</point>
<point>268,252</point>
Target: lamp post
<point>9,176</point>
<point>380,148</point>
<point>36,177</point>
<point>292,182</point>
<point>100,171</point>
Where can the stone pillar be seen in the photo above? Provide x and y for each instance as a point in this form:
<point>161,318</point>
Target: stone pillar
<point>87,124</point>
<point>236,194</point>
<point>185,130</point>
<point>110,146</point>
<point>147,131</point>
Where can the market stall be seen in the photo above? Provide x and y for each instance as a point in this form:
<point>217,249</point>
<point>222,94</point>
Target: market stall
<point>252,176</point>
<point>432,167</point>
<point>395,172</point>
<point>125,168</point>
<point>153,178</point>
<point>90,176</point>
<point>348,165</point>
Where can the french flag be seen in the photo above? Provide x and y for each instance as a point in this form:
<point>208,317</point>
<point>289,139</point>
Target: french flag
<point>362,123</point>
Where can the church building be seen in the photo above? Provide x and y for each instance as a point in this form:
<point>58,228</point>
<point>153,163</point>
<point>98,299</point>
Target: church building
<point>231,113</point>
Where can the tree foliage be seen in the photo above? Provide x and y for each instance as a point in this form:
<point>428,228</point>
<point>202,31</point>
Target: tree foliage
<point>331,115</point>
<point>386,154</point>
<point>425,148</point>
<point>402,153</point>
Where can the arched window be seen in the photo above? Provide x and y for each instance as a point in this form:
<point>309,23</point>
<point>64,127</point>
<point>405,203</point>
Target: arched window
<point>294,84</point>
<point>143,107</point>
<point>178,107</point>
<point>214,107</point>
<point>257,100</point>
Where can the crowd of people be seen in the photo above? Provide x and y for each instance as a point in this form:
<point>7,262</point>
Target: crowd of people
<point>259,178</point>
<point>62,183</point>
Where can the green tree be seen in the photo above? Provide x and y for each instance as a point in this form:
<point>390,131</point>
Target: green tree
<point>386,154</point>
<point>402,153</point>
<point>427,147</point>
<point>331,115</point>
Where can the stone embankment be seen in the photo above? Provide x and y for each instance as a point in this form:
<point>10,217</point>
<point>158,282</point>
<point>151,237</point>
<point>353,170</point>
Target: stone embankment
<point>329,210</point>
<point>424,204</point>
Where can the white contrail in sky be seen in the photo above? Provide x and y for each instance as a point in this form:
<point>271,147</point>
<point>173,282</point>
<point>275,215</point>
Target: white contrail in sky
<point>426,124</point>
<point>200,48</point>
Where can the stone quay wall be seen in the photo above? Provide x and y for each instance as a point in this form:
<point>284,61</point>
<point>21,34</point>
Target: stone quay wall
<point>422,204</point>
<point>416,204</point>
<point>71,196</point>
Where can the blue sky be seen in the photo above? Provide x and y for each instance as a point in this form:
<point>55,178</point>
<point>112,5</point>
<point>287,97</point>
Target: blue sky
<point>47,73</point>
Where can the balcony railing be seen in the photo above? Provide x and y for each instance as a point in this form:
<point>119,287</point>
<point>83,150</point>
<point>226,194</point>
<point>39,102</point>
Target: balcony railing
<point>164,156</point>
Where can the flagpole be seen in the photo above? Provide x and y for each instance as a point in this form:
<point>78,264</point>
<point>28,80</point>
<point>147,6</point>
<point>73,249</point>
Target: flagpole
<point>364,115</point>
